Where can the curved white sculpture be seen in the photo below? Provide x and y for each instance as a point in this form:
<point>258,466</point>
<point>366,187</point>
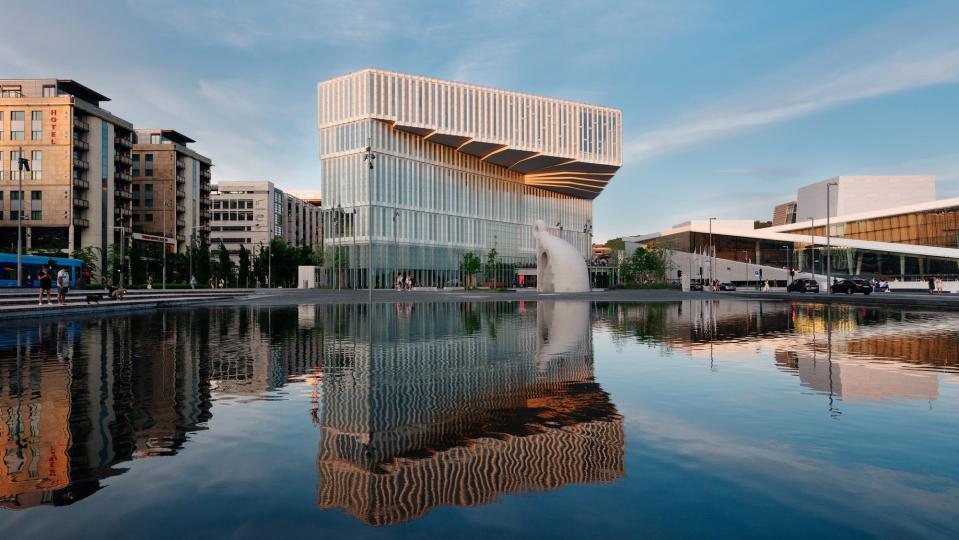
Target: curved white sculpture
<point>559,266</point>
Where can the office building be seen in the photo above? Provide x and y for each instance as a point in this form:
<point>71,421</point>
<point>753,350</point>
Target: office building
<point>784,214</point>
<point>869,236</point>
<point>171,189</point>
<point>458,168</point>
<point>80,157</point>
<point>250,213</point>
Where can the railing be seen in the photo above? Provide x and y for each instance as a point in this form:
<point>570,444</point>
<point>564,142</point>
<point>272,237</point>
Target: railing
<point>80,183</point>
<point>123,177</point>
<point>123,194</point>
<point>81,203</point>
<point>180,223</point>
<point>180,238</point>
<point>81,144</point>
<point>123,160</point>
<point>180,179</point>
<point>206,174</point>
<point>180,208</point>
<point>81,222</point>
<point>80,125</point>
<point>80,164</point>
<point>205,188</point>
<point>180,166</point>
<point>180,194</point>
<point>123,142</point>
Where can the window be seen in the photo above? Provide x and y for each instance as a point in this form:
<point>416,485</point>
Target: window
<point>36,125</point>
<point>49,91</point>
<point>36,164</point>
<point>1,125</point>
<point>154,139</point>
<point>10,91</point>
<point>15,165</point>
<point>16,125</point>
<point>15,203</point>
<point>136,164</point>
<point>148,195</point>
<point>36,205</point>
<point>148,165</point>
<point>1,205</point>
<point>148,217</point>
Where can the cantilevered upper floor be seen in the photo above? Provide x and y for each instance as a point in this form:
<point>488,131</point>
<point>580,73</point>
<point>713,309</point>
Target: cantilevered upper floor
<point>560,145</point>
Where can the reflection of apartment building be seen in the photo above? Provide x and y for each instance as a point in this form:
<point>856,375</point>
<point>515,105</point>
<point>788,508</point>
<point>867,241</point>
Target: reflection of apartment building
<point>250,213</point>
<point>171,193</point>
<point>79,154</point>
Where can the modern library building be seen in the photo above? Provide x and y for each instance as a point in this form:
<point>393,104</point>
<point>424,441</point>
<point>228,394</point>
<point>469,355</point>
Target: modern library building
<point>455,168</point>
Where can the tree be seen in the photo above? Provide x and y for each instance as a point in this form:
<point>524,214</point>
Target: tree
<point>470,266</point>
<point>644,265</point>
<point>491,265</point>
<point>224,264</point>
<point>244,276</point>
<point>89,255</point>
<point>617,244</point>
<point>761,224</point>
<point>137,264</point>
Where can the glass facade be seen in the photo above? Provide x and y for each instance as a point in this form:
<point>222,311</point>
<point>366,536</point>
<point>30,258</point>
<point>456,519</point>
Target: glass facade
<point>431,203</point>
<point>938,228</point>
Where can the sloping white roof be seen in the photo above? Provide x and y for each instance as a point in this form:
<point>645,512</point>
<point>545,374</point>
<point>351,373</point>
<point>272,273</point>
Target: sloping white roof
<point>885,212</point>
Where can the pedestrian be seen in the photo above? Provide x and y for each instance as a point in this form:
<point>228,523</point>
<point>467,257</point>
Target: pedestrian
<point>86,277</point>
<point>46,283</point>
<point>192,282</point>
<point>150,281</point>
<point>221,283</point>
<point>939,285</point>
<point>63,286</point>
<point>409,282</point>
<point>932,285</point>
<point>399,282</point>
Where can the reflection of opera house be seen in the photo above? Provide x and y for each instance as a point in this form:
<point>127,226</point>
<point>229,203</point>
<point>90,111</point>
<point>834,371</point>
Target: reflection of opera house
<point>427,421</point>
<point>857,354</point>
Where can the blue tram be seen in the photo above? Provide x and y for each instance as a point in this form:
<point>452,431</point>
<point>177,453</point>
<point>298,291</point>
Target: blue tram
<point>31,269</point>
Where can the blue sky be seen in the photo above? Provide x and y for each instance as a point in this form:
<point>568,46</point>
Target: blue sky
<point>728,106</point>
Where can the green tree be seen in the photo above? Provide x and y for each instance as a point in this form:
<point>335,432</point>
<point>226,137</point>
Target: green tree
<point>89,255</point>
<point>491,266</point>
<point>224,264</point>
<point>470,266</point>
<point>244,277</point>
<point>138,270</point>
<point>643,266</point>
<point>617,244</point>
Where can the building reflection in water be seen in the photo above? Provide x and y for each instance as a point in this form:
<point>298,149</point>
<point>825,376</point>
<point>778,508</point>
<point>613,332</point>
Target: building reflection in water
<point>851,353</point>
<point>424,418</point>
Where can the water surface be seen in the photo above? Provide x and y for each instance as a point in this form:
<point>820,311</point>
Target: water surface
<point>550,419</point>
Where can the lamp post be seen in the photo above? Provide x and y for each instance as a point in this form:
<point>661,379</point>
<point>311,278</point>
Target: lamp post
<point>369,157</point>
<point>588,229</point>
<point>828,243</point>
<point>119,220</point>
<point>165,210</point>
<point>22,163</point>
<point>712,251</point>
<point>394,257</point>
<point>812,247</point>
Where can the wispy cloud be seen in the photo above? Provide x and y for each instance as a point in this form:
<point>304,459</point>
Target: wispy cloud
<point>870,64</point>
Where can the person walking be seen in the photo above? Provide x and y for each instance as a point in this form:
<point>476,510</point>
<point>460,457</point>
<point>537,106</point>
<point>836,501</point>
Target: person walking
<point>192,282</point>
<point>939,285</point>
<point>399,282</point>
<point>150,281</point>
<point>932,285</point>
<point>46,283</point>
<point>409,282</point>
<point>63,286</point>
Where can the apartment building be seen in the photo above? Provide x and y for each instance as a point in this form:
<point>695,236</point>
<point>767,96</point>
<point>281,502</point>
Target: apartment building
<point>250,213</point>
<point>80,159</point>
<point>171,188</point>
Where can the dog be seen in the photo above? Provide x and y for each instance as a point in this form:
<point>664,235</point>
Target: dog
<point>94,298</point>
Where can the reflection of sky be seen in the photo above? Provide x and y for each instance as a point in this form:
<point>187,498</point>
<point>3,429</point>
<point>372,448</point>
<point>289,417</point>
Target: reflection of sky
<point>739,448</point>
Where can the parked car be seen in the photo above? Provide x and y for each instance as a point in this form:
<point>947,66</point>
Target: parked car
<point>727,287</point>
<point>850,286</point>
<point>695,286</point>
<point>803,285</point>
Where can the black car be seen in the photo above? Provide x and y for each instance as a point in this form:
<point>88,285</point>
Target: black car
<point>803,285</point>
<point>850,286</point>
<point>727,287</point>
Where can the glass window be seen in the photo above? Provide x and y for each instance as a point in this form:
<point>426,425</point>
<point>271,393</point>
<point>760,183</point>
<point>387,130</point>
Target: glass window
<point>154,139</point>
<point>36,127</point>
<point>148,165</point>
<point>136,164</point>
<point>49,91</point>
<point>36,164</point>
<point>16,125</point>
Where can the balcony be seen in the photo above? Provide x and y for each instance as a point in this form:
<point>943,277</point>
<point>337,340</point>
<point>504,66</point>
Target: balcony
<point>180,166</point>
<point>206,174</point>
<point>180,238</point>
<point>122,142</point>
<point>81,203</point>
<point>80,125</point>
<point>180,194</point>
<point>80,144</point>
<point>81,164</point>
<point>80,183</point>
<point>122,177</point>
<point>204,203</point>
<point>205,188</point>
<point>180,179</point>
<point>180,208</point>
<point>180,223</point>
<point>123,194</point>
<point>122,160</point>
<point>122,212</point>
<point>205,214</point>
<point>81,222</point>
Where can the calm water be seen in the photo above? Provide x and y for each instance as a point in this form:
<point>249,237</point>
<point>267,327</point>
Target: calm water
<point>551,419</point>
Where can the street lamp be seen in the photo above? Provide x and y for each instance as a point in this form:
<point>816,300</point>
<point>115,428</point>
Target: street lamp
<point>369,157</point>
<point>712,251</point>
<point>119,220</point>
<point>812,247</point>
<point>588,231</point>
<point>22,164</point>
<point>828,244</point>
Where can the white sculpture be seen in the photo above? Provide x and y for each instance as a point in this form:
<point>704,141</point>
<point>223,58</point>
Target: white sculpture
<point>559,266</point>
